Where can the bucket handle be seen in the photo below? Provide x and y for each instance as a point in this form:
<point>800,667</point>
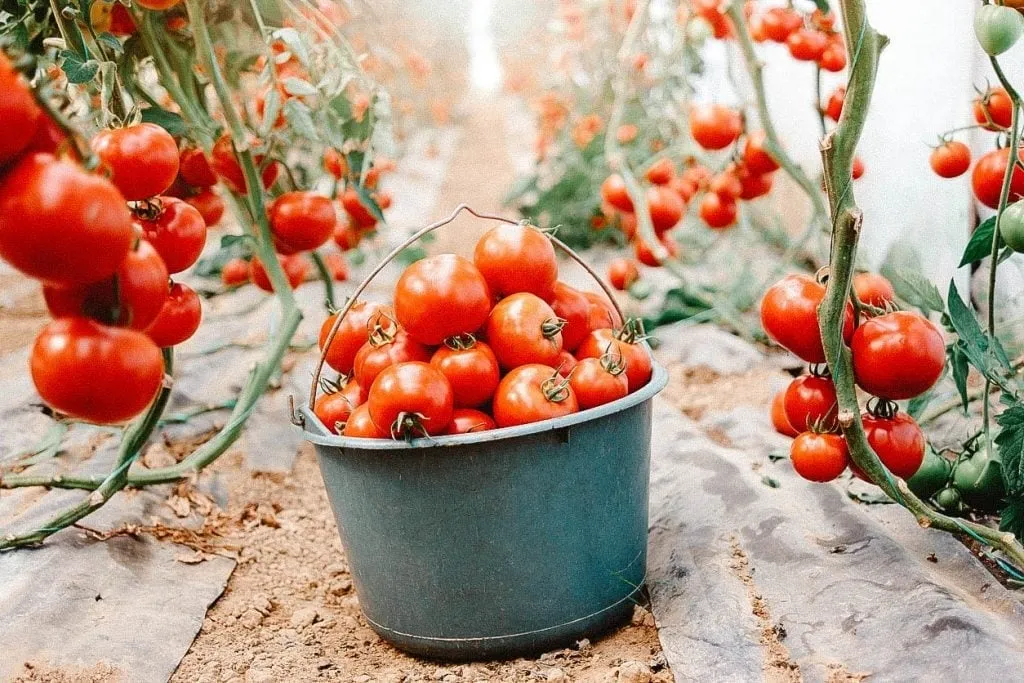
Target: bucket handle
<point>412,240</point>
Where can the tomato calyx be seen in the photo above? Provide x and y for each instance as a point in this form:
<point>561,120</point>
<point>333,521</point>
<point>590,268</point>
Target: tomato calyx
<point>612,361</point>
<point>552,327</point>
<point>632,331</point>
<point>408,426</point>
<point>382,330</point>
<point>147,209</point>
<point>882,408</point>
<point>556,388</point>
<point>819,370</point>
<point>461,342</point>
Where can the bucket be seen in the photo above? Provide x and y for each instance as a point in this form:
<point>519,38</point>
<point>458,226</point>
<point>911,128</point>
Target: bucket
<point>496,544</point>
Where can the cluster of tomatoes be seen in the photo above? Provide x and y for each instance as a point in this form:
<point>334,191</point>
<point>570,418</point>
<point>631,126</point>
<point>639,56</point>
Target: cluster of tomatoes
<point>897,355</point>
<point>104,244</point>
<point>471,345</point>
<point>811,38</point>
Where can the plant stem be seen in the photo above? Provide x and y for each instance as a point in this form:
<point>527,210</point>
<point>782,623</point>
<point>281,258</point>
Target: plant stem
<point>325,276</point>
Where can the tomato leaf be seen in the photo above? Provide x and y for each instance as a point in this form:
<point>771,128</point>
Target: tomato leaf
<point>917,404</point>
<point>1011,517</point>
<point>980,244</point>
<point>370,203</point>
<point>111,41</point>
<point>301,119</point>
<point>291,38</point>
<point>916,290</point>
<point>298,87</point>
<point>958,369</point>
<point>1010,442</point>
<point>974,341</point>
<point>167,120</point>
<point>76,69</point>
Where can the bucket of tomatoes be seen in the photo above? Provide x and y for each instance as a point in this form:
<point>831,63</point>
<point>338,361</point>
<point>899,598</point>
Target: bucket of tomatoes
<point>485,442</point>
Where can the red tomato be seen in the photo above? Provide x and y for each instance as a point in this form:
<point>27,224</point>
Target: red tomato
<point>684,187</point>
<point>333,410</point>
<point>179,318</point>
<point>334,163</point>
<point>296,268</point>
<point>834,108</point>
<point>833,58</point>
<point>613,191</point>
<point>987,178</point>
<point>994,109</point>
<point>18,111</point>
<point>532,393</point>
<point>756,157</point>
<point>807,45</point>
<point>754,186</point>
<point>50,138</point>
<point>411,399</point>
<point>622,273</point>
<point>235,272</point>
<point>472,370</point>
<point>382,351</point>
<point>225,165</point>
<point>858,168</point>
<point>602,313</point>
<point>142,159</point>
<point>779,419</point>
<point>810,404</point>
<point>710,11</point>
<point>627,224</point>
<point>666,208</point>
<point>337,266</point>
<point>131,297</point>
<point>209,205</point>
<point>60,224</point>
<point>353,332</point>
<point>566,362</point>
<point>726,185</point>
<point>718,212</point>
<point>517,258</point>
<point>346,236</point>
<point>523,329</point>
<point>874,289</point>
<point>950,159</point>
<point>121,21</point>
<point>898,355</point>
<point>301,221</point>
<point>715,126</point>
<point>195,168</point>
<point>441,296</point>
<point>789,315</point>
<point>572,306</point>
<point>360,426</point>
<point>898,442</point>
<point>661,172</point>
<point>468,420</point>
<point>755,26</point>
<point>95,373</point>
<point>383,199</point>
<point>819,457</point>
<point>780,22</point>
<point>645,255</point>
<point>597,381</point>
<point>353,205</point>
<point>635,355</point>
<point>177,232</point>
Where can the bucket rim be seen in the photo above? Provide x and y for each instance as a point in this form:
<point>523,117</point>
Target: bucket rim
<point>315,432</point>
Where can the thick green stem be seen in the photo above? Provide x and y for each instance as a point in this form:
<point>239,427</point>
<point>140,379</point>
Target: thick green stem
<point>325,277</point>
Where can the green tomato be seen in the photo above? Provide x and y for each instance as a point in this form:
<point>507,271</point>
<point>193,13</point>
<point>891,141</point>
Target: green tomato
<point>980,481</point>
<point>931,476</point>
<point>1011,225</point>
<point>997,28</point>
<point>948,499</point>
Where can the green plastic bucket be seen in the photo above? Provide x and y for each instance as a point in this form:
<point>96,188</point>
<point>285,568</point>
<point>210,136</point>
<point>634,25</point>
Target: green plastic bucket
<point>496,544</point>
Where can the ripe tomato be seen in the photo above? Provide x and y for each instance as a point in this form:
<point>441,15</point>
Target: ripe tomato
<point>50,138</point>
<point>531,393</point>
<point>517,258</point>
<point>874,289</point>
<point>684,187</point>
<point>337,266</point>
<point>987,178</point>
<point>131,297</point>
<point>301,221</point>
<point>756,157</point>
<point>752,185</point>
<point>666,208</point>
<point>225,165</point>
<point>602,313</point>
<point>1011,226</point>
<point>441,296</point>
<point>597,381</point>
<point>468,420</point>
<point>834,108</point>
<point>179,318</point>
<point>819,457</point>
<point>572,306</point>
<point>780,22</point>
<point>806,44</point>
<point>383,350</point>
<point>635,355</point>
<point>622,272</point>
<point>718,212</point>
<point>627,224</point>
<point>858,168</point>
<point>411,399</point>
<point>898,442</point>
<point>335,164</point>
<point>994,109</point>
<point>997,28</point>
<point>177,232</point>
<point>661,172</point>
<point>18,111</point>
<point>209,205</point>
<point>709,10</point>
<point>345,235</point>
<point>333,410</point>
<point>645,255</point>
<point>361,426</point>
<point>833,58</point>
<point>715,126</point>
<point>352,333</point>
<point>779,419</point>
<point>566,363</point>
<point>60,224</point>
<point>95,373</point>
<point>810,404</point>
<point>726,184</point>
<point>296,268</point>
<point>472,370</point>
<point>950,159</point>
<point>235,272</point>
<point>142,159</point>
<point>195,168</point>
<point>523,329</point>
<point>357,212</point>
<point>121,21</point>
<point>789,315</point>
<point>898,355</point>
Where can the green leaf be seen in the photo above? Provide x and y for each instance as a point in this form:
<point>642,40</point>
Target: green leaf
<point>917,404</point>
<point>370,203</point>
<point>1011,518</point>
<point>958,368</point>
<point>411,255</point>
<point>77,70</point>
<point>916,290</point>
<point>973,341</point>
<point>112,42</point>
<point>293,40</point>
<point>167,120</point>
<point>300,119</point>
<point>980,244</point>
<point>271,110</point>
<point>1010,442</point>
<point>298,87</point>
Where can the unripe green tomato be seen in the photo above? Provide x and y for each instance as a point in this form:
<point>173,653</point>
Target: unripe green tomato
<point>931,476</point>
<point>698,30</point>
<point>997,28</point>
<point>1011,225</point>
<point>640,290</point>
<point>948,499</point>
<point>980,481</point>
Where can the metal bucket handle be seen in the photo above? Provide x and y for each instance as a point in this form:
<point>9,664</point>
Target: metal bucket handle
<point>412,240</point>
